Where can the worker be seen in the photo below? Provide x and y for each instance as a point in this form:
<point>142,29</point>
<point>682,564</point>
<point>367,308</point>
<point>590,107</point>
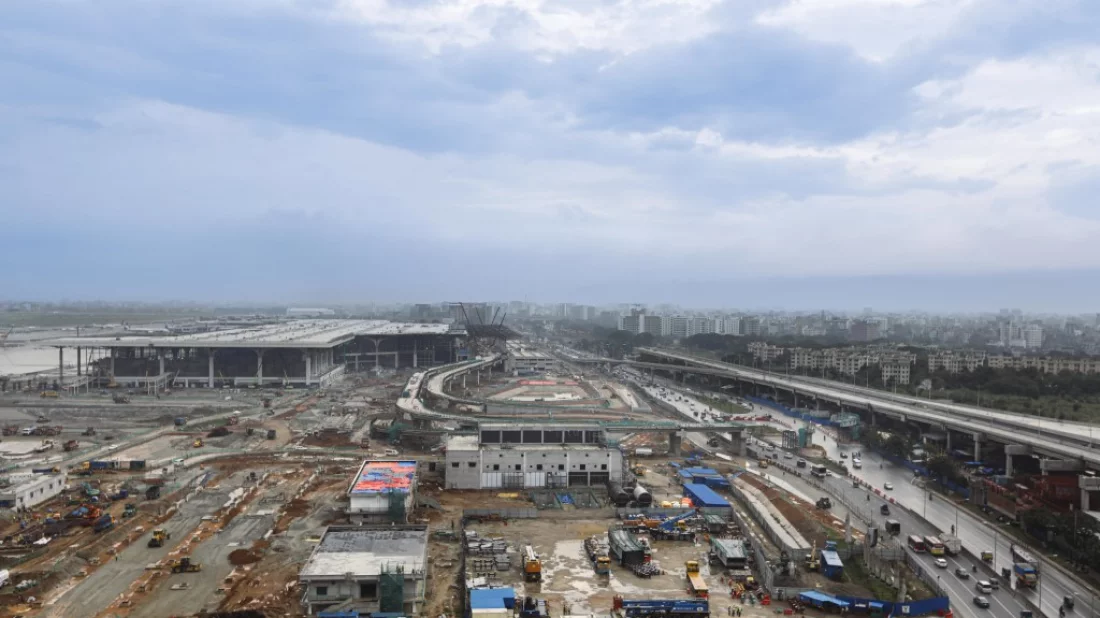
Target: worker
<point>974,568</point>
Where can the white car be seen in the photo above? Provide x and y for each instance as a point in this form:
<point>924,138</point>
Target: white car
<point>888,486</point>
<point>941,563</point>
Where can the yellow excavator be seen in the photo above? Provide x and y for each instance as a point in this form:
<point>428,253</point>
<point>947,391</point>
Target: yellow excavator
<point>198,443</point>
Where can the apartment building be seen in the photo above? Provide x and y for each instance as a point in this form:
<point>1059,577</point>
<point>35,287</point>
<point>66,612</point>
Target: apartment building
<point>954,362</point>
<point>895,373</point>
<point>763,352</point>
<point>1045,364</point>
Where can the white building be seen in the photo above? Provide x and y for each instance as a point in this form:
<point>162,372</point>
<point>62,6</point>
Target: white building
<point>955,362</point>
<point>1033,337</point>
<point>30,490</point>
<point>526,360</point>
<point>309,312</point>
<point>513,457</point>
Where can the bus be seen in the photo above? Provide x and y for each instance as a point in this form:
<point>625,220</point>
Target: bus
<point>934,545</point>
<point>916,543</point>
<point>817,470</point>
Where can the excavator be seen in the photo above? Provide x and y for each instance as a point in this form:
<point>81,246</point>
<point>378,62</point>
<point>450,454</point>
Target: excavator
<point>184,565</point>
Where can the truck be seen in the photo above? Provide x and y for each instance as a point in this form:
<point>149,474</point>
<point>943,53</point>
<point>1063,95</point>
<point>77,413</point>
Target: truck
<point>893,527</point>
<point>697,586</point>
<point>1026,575</point>
<point>671,608</point>
<point>532,565</point>
<point>951,544</point>
<point>1019,554</point>
<point>71,445</point>
<point>103,523</point>
<point>179,421</point>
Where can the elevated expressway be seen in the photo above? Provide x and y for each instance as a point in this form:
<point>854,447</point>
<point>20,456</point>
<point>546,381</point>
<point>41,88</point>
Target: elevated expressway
<point>1071,442</point>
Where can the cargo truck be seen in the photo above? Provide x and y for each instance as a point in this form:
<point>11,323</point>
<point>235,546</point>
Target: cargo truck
<point>1026,575</point>
<point>696,584</point>
<point>951,544</point>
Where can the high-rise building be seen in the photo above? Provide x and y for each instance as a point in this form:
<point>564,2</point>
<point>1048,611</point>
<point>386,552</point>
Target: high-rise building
<point>864,330</point>
<point>1033,337</point>
<point>750,326</point>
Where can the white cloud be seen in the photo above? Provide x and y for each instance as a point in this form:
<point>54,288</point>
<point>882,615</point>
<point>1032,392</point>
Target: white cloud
<point>875,29</point>
<point>537,25</point>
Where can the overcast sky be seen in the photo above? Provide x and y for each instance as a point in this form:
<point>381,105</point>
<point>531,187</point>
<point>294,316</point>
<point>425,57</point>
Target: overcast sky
<point>933,154</point>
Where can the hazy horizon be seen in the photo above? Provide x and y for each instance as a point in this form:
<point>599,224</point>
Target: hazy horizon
<point>899,154</point>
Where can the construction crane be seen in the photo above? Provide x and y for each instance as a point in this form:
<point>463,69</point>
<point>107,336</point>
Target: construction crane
<point>675,528</point>
<point>532,565</point>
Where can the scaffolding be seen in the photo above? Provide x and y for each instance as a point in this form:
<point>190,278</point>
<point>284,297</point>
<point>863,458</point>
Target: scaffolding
<point>397,512</point>
<point>391,589</point>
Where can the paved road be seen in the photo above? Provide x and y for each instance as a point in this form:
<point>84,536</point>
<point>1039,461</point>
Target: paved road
<point>977,535</point>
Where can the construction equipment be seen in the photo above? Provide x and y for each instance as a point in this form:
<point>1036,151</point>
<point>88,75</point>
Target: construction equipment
<point>675,528</point>
<point>103,522</point>
<point>824,503</point>
<point>271,434</point>
<point>198,443</point>
<point>120,398</point>
<point>160,535</point>
<point>71,445</point>
<point>697,586</point>
<point>129,511</point>
<point>89,432</point>
<point>184,565</point>
<point>49,395</point>
<point>152,493</point>
<point>678,608</point>
<point>813,563</point>
<point>532,565</point>
<point>597,551</point>
<point>639,470</point>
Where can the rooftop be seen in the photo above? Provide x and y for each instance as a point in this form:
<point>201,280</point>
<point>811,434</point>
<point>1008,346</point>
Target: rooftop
<point>365,550</point>
<point>284,334</point>
<point>383,477</point>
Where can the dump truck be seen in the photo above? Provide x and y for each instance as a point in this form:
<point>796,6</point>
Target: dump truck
<point>697,586</point>
<point>160,535</point>
<point>184,565</point>
<point>71,445</point>
<point>1026,575</point>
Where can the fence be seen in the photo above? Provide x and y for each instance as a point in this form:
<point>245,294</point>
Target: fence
<point>519,513</point>
<point>723,512</point>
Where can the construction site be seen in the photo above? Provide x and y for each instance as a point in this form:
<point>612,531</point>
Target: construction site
<point>353,496</point>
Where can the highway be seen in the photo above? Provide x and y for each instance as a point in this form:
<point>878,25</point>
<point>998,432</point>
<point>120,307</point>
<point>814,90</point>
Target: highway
<point>940,515</point>
<point>1060,442</point>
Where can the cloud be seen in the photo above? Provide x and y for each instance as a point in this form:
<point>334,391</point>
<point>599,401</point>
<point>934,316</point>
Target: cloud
<point>569,142</point>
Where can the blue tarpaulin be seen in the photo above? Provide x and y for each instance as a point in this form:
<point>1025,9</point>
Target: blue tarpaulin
<point>820,599</point>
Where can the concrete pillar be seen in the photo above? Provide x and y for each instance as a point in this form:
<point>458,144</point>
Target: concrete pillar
<point>78,360</point>
<point>463,380</point>
<point>309,368</point>
<point>977,447</point>
<point>260,366</point>
<point>1084,499</point>
<point>674,441</point>
<point>161,359</point>
<point>112,363</point>
<point>947,441</point>
<point>356,363</point>
<point>377,345</point>
<point>479,377</point>
<point>210,371</point>
<point>415,359</point>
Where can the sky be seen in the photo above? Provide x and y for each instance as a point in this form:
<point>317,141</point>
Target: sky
<point>932,154</point>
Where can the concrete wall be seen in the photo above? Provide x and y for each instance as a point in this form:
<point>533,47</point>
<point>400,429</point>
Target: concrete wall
<point>339,590</point>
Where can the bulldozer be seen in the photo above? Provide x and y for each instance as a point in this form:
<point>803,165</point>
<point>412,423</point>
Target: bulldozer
<point>198,443</point>
<point>184,565</point>
<point>160,535</point>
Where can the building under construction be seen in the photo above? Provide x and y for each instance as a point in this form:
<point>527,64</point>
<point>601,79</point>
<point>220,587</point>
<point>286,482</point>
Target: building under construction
<point>367,569</point>
<point>284,353</point>
<point>382,491</point>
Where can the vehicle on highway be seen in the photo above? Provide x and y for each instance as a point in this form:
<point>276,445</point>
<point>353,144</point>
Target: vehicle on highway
<point>801,463</point>
<point>982,602</point>
<point>962,573</point>
<point>788,456</point>
<point>916,543</point>
<point>818,470</point>
<point>934,545</point>
<point>857,464</point>
<point>844,455</point>
<point>884,509</point>
<point>893,527</point>
<point>941,563</point>
<point>888,486</point>
<point>983,586</point>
